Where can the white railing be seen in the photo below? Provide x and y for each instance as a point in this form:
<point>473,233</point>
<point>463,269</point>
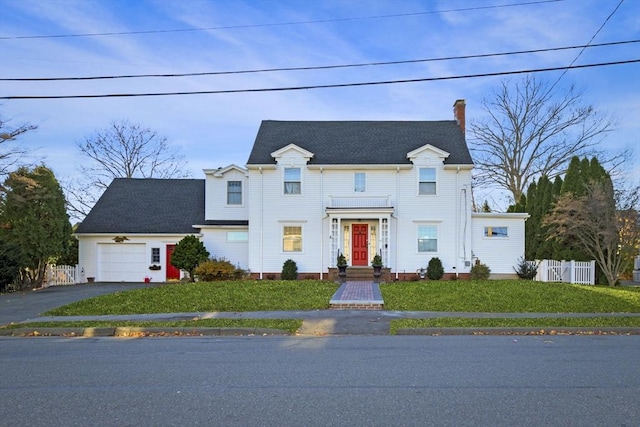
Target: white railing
<point>581,272</point>
<point>360,202</point>
<point>61,275</point>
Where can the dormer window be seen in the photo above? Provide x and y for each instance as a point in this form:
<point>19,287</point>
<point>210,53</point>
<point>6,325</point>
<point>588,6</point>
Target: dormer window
<point>292,181</point>
<point>427,181</point>
<point>234,192</point>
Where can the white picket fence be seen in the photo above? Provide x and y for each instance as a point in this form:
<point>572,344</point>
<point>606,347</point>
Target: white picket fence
<point>581,272</point>
<point>61,275</point>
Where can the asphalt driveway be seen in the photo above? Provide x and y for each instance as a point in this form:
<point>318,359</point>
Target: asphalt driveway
<point>25,305</point>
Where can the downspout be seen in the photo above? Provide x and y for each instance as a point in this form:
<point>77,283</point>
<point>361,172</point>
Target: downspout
<point>261,222</point>
<point>322,224</point>
<point>457,248</point>
<point>395,235</point>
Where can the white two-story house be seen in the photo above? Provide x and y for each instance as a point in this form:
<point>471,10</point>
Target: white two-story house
<point>309,191</point>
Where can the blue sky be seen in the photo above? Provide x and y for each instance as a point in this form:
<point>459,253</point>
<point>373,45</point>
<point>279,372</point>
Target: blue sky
<point>219,129</point>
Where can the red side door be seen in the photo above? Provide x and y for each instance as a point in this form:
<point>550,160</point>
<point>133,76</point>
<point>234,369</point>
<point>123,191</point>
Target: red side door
<point>360,244</point>
<point>172,272</point>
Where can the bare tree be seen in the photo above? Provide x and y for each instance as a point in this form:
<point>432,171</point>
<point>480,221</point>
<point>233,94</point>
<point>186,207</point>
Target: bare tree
<point>532,131</point>
<point>121,150</point>
<point>10,153</point>
<point>611,236</point>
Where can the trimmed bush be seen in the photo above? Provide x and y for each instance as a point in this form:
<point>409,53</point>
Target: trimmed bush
<point>435,271</point>
<point>289,270</point>
<point>217,269</point>
<point>480,271</point>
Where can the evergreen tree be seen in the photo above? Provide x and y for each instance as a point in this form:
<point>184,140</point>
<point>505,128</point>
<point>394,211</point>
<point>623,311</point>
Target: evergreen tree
<point>33,216</point>
<point>188,254</point>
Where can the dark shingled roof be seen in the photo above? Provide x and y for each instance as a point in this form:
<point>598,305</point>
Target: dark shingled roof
<point>132,205</point>
<point>360,142</point>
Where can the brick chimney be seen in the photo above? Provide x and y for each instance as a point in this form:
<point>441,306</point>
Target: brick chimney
<point>458,113</point>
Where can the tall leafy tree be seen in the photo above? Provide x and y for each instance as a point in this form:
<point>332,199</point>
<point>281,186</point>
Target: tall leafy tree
<point>606,234</point>
<point>33,216</point>
<point>531,130</point>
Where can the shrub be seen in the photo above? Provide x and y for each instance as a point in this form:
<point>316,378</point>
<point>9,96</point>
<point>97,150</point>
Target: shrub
<point>217,269</point>
<point>526,269</point>
<point>480,271</point>
<point>435,271</point>
<point>289,270</point>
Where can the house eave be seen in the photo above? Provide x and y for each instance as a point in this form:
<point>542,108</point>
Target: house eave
<point>500,215</point>
<point>456,167</point>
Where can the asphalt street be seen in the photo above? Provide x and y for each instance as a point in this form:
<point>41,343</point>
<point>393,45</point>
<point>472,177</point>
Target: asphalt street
<point>329,381</point>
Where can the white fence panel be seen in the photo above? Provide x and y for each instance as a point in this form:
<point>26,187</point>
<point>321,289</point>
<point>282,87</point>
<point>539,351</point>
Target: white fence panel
<point>61,275</point>
<point>581,272</point>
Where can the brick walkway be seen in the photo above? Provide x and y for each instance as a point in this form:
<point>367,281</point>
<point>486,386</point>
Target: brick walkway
<point>362,295</point>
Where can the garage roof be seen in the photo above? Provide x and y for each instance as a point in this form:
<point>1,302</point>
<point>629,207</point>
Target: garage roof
<point>143,206</point>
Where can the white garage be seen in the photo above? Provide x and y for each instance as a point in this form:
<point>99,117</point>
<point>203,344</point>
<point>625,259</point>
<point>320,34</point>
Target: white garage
<point>122,262</point>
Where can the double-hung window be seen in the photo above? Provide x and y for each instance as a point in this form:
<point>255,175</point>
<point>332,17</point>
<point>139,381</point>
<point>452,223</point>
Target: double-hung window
<point>292,238</point>
<point>292,181</point>
<point>427,181</point>
<point>427,238</point>
<point>234,192</point>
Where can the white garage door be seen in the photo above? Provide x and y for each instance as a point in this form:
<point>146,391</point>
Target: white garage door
<point>122,262</point>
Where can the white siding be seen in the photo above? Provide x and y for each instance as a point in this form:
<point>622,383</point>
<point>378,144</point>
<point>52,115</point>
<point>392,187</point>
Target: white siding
<point>216,207</point>
<point>91,264</point>
<point>501,254</point>
<point>215,240</point>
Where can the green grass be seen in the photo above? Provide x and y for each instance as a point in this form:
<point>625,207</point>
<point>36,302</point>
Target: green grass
<point>289,325</point>
<point>508,296</point>
<point>265,295</point>
<point>550,322</point>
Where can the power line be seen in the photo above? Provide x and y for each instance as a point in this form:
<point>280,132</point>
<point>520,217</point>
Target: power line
<point>280,24</point>
<point>319,67</point>
<point>588,44</point>
<point>327,86</point>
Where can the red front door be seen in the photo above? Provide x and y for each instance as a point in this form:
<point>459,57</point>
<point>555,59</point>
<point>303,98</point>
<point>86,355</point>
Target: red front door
<point>172,272</point>
<point>360,244</point>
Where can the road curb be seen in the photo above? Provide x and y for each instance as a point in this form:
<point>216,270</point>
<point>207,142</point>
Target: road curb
<point>520,331</point>
<point>133,332</point>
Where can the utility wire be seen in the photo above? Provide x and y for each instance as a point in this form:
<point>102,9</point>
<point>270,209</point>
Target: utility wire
<point>280,24</point>
<point>587,45</point>
<point>327,86</point>
<point>319,67</point>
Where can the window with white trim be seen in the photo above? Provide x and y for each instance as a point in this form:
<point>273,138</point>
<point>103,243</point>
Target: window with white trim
<point>292,238</point>
<point>496,232</point>
<point>427,238</point>
<point>292,181</point>
<point>155,255</point>
<point>359,182</point>
<point>427,181</point>
<point>234,192</point>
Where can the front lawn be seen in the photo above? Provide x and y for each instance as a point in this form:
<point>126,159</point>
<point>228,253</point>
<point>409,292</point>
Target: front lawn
<point>268,295</point>
<point>508,296</point>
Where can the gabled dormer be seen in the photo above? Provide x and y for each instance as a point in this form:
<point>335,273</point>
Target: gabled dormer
<point>292,155</point>
<point>226,196</point>
<point>427,154</point>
